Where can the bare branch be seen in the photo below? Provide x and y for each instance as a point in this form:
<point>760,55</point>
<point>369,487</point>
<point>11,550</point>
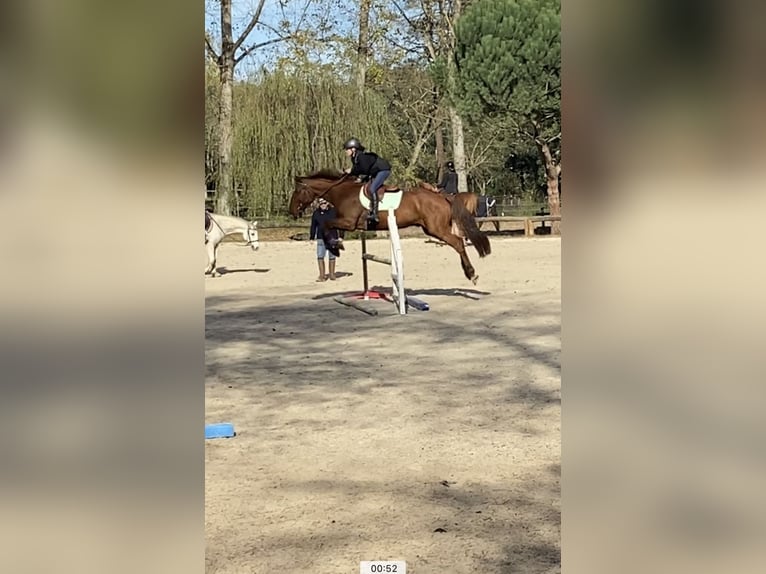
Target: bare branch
<point>299,25</point>
<point>427,39</point>
<point>254,47</point>
<point>554,138</point>
<point>250,25</point>
<point>272,28</point>
<point>404,15</point>
<point>405,49</point>
<point>210,50</point>
<point>446,22</point>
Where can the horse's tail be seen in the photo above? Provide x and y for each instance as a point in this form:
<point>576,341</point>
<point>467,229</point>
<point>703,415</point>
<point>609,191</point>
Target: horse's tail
<point>471,201</point>
<point>467,224</point>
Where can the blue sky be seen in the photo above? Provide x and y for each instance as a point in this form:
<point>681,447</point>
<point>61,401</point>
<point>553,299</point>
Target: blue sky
<point>273,12</point>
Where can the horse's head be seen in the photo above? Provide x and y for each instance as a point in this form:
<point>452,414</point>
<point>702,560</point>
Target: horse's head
<point>302,197</point>
<point>310,187</point>
<point>252,235</point>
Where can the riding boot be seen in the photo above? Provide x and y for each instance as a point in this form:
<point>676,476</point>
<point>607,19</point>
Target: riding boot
<point>321,277</point>
<point>373,219</point>
<point>332,269</point>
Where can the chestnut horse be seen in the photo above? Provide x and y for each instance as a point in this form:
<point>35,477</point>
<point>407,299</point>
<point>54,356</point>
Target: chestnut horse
<point>419,207</point>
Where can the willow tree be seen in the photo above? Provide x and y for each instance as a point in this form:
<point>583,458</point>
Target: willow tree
<point>509,62</point>
<point>293,124</point>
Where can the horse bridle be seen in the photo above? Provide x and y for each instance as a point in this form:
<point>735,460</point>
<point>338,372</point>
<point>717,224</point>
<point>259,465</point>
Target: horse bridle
<point>250,227</point>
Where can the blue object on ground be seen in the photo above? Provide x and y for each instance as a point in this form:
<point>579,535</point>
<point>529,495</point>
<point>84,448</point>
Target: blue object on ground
<point>419,304</point>
<point>219,430</point>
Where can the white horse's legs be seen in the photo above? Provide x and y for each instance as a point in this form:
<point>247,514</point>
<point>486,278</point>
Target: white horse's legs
<point>211,248</point>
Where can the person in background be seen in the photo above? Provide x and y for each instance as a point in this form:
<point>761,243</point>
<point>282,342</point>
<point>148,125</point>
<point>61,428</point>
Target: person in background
<point>448,184</point>
<point>484,205</point>
<point>324,212</point>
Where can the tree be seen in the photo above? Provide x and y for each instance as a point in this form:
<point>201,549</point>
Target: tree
<point>434,21</point>
<point>363,46</point>
<point>508,59</point>
<point>230,53</point>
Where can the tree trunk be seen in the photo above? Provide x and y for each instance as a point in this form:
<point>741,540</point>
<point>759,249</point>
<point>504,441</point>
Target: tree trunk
<point>225,141</point>
<point>225,128</point>
<point>552,172</point>
<point>458,140</point>
<point>440,159</point>
<point>363,46</point>
<point>417,149</point>
<point>458,149</point>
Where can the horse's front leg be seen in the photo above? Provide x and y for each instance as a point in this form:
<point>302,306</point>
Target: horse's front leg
<point>211,249</point>
<point>331,236</point>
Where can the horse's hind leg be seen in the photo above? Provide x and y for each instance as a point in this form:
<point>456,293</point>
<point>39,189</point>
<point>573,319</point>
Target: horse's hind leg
<point>457,243</point>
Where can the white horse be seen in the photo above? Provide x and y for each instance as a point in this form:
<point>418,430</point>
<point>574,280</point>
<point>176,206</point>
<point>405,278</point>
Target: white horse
<point>222,226</point>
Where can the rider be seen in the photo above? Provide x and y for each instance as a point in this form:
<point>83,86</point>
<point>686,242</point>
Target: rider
<point>367,163</point>
<point>448,184</point>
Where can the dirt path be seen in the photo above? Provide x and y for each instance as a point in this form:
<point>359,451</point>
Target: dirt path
<point>359,437</point>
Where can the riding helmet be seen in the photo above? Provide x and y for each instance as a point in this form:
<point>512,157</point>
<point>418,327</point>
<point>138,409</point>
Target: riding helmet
<point>353,143</point>
<point>450,165</point>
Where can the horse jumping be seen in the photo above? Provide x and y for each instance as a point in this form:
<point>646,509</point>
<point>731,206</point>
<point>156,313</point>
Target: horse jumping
<point>418,206</point>
<point>218,226</point>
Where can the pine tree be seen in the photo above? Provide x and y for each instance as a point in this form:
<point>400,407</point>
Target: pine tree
<point>509,63</point>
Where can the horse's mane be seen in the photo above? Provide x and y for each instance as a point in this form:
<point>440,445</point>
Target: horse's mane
<point>322,174</point>
<point>230,218</point>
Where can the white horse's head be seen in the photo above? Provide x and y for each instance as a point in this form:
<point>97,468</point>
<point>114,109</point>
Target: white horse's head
<point>252,235</point>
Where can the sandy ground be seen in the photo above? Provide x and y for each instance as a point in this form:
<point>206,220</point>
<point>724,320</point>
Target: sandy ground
<point>432,438</point>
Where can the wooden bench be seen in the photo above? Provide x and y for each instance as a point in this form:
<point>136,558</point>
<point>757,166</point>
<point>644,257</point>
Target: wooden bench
<point>529,221</point>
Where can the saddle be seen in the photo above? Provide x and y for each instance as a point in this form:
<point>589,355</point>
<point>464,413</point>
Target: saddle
<point>381,190</point>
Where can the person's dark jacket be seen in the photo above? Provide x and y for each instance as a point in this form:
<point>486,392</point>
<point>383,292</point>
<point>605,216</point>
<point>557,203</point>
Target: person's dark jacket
<point>369,164</point>
<point>317,220</point>
<point>448,182</point>
<point>484,206</point>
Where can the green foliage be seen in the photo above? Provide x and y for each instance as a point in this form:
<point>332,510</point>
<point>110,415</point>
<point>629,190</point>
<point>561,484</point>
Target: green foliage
<point>292,124</point>
<point>508,58</point>
<point>300,101</point>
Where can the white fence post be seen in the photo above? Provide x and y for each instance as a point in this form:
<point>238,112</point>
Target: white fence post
<point>397,265</point>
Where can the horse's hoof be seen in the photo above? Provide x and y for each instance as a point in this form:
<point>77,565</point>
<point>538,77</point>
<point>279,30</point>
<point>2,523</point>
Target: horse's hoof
<point>475,279</point>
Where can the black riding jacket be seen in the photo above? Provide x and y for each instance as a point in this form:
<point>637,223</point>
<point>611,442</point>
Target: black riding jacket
<point>448,182</point>
<point>369,164</point>
<point>318,218</point>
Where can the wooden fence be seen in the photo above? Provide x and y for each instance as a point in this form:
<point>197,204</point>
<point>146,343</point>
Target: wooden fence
<point>528,221</point>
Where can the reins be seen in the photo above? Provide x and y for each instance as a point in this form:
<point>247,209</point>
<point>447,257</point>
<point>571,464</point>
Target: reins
<point>344,176</point>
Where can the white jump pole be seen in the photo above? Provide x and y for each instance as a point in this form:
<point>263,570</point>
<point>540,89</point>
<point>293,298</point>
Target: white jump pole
<point>395,262</point>
<point>397,265</point>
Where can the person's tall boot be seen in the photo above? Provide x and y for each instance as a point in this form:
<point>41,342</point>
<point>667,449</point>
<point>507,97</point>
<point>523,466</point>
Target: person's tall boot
<point>332,269</point>
<point>372,221</point>
<point>321,277</point>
